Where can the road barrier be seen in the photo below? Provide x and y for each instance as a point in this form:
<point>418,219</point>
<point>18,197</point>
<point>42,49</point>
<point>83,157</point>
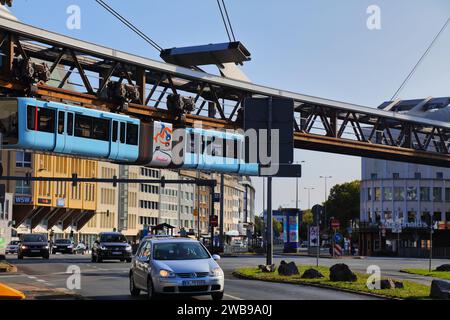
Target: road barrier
<point>337,250</point>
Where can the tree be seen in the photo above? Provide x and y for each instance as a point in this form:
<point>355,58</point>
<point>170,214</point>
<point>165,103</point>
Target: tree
<point>307,217</point>
<point>277,228</point>
<point>344,202</point>
<point>260,226</point>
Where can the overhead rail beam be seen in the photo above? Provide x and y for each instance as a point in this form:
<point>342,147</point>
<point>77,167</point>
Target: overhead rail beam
<point>319,124</point>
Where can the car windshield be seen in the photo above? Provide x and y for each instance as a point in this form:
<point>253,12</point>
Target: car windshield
<point>179,251</point>
<point>14,243</point>
<point>65,241</point>
<point>34,238</point>
<point>113,238</point>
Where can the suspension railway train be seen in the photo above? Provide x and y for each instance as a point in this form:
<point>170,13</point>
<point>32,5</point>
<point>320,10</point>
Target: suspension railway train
<point>41,126</point>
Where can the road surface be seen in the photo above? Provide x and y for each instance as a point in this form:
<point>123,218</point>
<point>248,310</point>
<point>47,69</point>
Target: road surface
<point>109,280</point>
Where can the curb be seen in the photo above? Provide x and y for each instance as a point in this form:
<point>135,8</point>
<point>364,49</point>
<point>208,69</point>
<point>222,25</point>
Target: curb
<point>8,293</point>
<point>322,286</point>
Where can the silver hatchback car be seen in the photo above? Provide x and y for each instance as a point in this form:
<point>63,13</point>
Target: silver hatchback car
<point>179,266</point>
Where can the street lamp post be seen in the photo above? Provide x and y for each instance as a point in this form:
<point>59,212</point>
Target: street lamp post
<point>296,188</point>
<point>324,207</point>
<point>309,196</point>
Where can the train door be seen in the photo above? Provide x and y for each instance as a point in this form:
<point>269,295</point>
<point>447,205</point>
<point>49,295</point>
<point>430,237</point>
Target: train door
<point>122,140</point>
<point>114,144</point>
<point>69,132</point>
<point>60,132</point>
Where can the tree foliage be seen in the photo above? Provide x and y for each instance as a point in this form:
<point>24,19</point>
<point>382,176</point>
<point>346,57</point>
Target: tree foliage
<point>344,202</point>
<point>260,226</point>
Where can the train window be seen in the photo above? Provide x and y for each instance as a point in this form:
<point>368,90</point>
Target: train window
<point>101,129</point>
<point>83,126</point>
<point>8,121</point>
<point>70,124</point>
<point>31,118</point>
<point>132,134</point>
<point>115,131</point>
<point>46,120</point>
<point>61,122</point>
<point>91,128</point>
<point>122,132</point>
<point>231,146</point>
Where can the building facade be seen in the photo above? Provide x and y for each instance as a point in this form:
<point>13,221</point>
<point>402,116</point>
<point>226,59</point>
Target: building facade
<point>404,197</point>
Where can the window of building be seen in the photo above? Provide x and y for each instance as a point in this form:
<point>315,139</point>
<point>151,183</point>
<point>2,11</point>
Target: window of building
<point>377,216</point>
<point>417,175</point>
<point>426,218</point>
<point>399,194</point>
<point>374,176</point>
<point>411,194</point>
<point>396,176</point>
<point>387,194</point>
<point>447,194</point>
<point>447,217</point>
<point>388,215</point>
<point>377,194</point>
<point>23,159</point>
<point>424,194</point>
<point>22,188</point>
<point>411,216</point>
<point>437,216</point>
<point>437,194</point>
<point>439,175</point>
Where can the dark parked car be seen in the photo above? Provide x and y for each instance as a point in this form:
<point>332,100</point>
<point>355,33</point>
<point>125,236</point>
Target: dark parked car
<point>111,246</point>
<point>62,246</point>
<point>34,245</point>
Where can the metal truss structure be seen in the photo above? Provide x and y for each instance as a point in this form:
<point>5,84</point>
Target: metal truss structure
<point>320,124</point>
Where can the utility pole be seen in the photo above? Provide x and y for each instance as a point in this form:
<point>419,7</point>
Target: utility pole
<point>269,230</point>
<point>326,196</point>
<point>309,196</point>
<point>222,196</point>
<point>431,242</point>
<point>198,208</point>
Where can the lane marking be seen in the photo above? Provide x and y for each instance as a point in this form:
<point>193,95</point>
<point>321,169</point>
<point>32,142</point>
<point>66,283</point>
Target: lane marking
<point>232,297</point>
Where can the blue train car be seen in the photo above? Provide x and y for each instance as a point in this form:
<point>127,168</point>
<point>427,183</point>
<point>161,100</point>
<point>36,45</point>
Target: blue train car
<point>216,151</point>
<point>31,124</point>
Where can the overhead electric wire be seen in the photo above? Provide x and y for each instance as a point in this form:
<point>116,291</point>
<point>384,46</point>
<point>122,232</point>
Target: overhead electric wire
<point>129,25</point>
<point>420,60</point>
<point>229,21</point>
<point>224,21</point>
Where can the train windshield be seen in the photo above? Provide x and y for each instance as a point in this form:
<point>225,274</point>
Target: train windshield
<point>9,121</point>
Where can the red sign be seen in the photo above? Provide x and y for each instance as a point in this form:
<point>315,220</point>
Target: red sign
<point>335,224</point>
<point>214,221</point>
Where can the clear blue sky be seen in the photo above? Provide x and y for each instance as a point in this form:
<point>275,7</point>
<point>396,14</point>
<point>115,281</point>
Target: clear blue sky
<point>315,47</point>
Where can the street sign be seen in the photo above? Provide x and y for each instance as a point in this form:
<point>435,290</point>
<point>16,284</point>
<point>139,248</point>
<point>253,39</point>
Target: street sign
<point>216,197</point>
<point>313,236</point>
<point>338,237</point>
<point>214,221</point>
<point>335,224</point>
<point>317,211</point>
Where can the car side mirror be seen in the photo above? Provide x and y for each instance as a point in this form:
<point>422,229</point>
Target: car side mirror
<point>97,242</point>
<point>216,257</point>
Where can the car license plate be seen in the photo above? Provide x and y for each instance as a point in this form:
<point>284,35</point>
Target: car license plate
<point>194,283</point>
<point>117,252</point>
<point>35,250</point>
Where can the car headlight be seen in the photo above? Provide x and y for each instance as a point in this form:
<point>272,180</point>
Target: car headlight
<point>102,248</point>
<point>24,247</point>
<point>216,272</point>
<point>166,274</point>
<point>128,248</point>
<point>70,246</point>
<point>46,247</point>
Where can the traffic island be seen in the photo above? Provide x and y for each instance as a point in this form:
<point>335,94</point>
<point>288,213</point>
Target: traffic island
<point>410,290</point>
<point>424,272</point>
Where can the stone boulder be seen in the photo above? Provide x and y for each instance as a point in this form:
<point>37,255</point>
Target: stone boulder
<point>341,273</point>
<point>312,274</point>
<point>443,268</point>
<point>390,284</point>
<point>287,269</point>
<point>267,268</point>
<point>440,290</point>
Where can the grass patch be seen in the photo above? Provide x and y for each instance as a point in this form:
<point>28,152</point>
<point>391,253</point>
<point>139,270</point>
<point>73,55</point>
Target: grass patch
<point>411,290</point>
<point>423,272</point>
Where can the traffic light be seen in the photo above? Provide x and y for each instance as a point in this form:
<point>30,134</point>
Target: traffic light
<point>7,2</point>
